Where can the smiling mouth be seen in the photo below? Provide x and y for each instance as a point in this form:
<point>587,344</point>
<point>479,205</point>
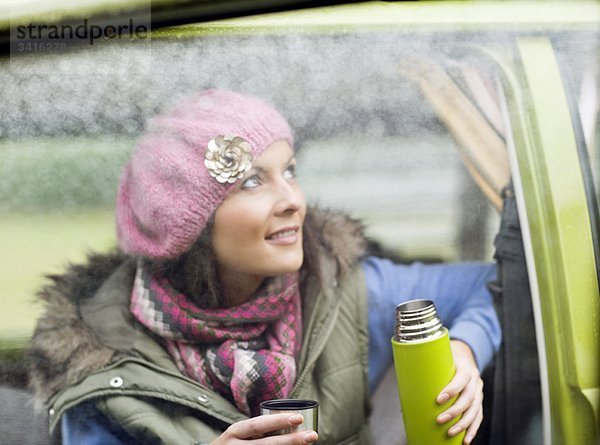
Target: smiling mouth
<point>282,234</point>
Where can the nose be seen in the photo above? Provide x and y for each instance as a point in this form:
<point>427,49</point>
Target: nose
<point>290,198</point>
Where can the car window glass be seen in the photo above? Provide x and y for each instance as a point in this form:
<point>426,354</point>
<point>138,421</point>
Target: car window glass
<point>368,139</point>
<point>400,121</point>
<point>401,130</point>
<point>395,134</point>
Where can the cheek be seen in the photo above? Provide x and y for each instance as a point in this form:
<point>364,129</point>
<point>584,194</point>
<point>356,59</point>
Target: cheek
<point>302,200</point>
<point>235,232</point>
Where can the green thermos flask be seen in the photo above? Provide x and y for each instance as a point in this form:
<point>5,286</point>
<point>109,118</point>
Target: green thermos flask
<point>424,366</point>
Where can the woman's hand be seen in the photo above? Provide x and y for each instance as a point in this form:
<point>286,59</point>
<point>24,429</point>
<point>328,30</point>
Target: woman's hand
<point>466,382</point>
<point>251,431</point>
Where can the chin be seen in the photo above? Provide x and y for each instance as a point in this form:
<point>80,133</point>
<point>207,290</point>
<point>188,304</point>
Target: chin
<point>283,269</point>
<point>293,265</point>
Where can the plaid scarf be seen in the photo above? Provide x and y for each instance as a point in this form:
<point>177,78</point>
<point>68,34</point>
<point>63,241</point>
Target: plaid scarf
<point>246,352</point>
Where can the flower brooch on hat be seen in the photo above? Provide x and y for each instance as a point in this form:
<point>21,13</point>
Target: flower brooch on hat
<point>228,158</point>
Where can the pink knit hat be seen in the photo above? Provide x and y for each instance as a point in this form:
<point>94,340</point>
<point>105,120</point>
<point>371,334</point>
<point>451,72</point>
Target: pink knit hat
<point>167,193</point>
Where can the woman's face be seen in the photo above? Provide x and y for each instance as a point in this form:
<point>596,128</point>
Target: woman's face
<point>257,230</point>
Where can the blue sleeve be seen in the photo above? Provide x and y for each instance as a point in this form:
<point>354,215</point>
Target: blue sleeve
<point>85,424</point>
<point>458,291</point>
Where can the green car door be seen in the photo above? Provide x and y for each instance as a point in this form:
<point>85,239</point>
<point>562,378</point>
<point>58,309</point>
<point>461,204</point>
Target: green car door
<point>558,211</point>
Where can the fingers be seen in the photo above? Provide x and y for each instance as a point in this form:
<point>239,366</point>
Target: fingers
<point>472,430</point>
<point>251,431</point>
<point>469,416</point>
<point>468,385</point>
<point>470,405</point>
<point>456,385</point>
<point>466,369</point>
<point>468,397</point>
<point>297,438</point>
<point>261,425</point>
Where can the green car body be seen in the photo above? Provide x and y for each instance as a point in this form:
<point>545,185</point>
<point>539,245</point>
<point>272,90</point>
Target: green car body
<point>561,245</point>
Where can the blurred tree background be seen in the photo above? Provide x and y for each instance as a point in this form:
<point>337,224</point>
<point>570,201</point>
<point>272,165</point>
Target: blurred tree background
<point>56,199</point>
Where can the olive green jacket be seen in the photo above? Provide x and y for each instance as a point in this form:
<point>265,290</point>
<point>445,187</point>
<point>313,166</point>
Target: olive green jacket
<point>109,358</point>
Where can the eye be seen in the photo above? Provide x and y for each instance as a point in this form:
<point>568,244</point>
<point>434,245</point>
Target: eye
<point>290,172</point>
<point>251,182</point>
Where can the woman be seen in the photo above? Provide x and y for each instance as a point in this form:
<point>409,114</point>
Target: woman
<point>229,291</point>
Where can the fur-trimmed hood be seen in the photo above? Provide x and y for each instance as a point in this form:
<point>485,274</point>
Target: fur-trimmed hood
<point>65,348</point>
